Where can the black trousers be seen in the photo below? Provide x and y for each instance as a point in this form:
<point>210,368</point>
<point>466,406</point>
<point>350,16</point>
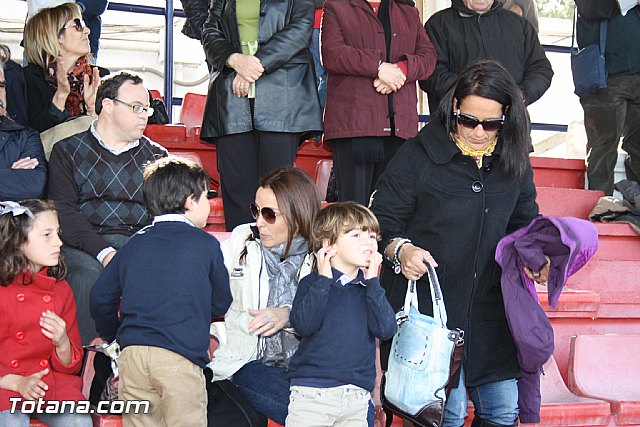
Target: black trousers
<point>357,180</point>
<point>242,159</point>
<point>609,114</point>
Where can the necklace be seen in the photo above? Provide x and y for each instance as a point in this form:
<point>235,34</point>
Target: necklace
<point>472,152</point>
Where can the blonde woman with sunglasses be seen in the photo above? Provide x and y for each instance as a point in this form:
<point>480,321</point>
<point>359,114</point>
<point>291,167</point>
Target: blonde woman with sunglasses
<point>61,81</point>
<point>265,259</point>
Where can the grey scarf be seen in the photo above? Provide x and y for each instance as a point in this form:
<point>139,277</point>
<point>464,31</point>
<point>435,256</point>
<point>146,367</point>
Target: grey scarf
<point>283,282</point>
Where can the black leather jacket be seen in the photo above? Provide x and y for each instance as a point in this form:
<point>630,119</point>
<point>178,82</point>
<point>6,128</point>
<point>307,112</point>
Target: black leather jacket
<point>197,12</point>
<point>286,94</point>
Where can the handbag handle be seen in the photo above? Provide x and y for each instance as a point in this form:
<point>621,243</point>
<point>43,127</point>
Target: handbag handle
<point>411,297</point>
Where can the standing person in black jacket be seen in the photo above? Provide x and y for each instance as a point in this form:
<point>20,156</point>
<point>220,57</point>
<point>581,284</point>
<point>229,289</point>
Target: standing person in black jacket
<point>263,100</point>
<point>614,111</point>
<point>196,12</point>
<point>447,198</point>
<point>471,30</point>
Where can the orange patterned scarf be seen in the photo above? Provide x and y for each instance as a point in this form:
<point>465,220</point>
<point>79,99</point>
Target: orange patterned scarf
<point>75,101</point>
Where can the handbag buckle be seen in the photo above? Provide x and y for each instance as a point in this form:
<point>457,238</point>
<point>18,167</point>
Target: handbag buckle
<point>457,336</point>
<point>401,319</point>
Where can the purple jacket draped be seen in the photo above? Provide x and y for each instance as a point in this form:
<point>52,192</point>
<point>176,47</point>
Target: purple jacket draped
<point>569,243</point>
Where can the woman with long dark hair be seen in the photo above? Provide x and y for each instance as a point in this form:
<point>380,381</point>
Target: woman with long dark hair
<point>447,198</point>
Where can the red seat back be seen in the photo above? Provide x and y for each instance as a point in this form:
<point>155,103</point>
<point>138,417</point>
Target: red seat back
<point>323,171</point>
<point>188,155</point>
<point>155,94</point>
<point>192,110</point>
<point>605,366</point>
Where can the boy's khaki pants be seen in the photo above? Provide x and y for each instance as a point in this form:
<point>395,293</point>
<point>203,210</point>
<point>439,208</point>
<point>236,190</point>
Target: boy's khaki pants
<point>174,386</point>
<point>344,406</point>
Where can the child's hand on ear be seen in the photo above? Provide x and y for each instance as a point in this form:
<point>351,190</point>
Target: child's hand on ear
<point>372,269</point>
<point>324,260</point>
<point>55,328</point>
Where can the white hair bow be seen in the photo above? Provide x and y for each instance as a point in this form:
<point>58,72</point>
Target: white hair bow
<point>15,209</point>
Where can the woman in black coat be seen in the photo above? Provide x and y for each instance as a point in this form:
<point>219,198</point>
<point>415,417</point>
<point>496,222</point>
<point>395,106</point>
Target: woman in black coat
<point>263,99</point>
<point>447,198</point>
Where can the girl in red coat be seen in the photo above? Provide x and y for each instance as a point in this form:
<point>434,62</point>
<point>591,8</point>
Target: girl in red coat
<point>40,347</point>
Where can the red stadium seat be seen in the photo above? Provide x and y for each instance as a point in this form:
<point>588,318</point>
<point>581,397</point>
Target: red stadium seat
<point>187,155</point>
<point>606,367</point>
<point>166,134</point>
<point>560,407</point>
<point>323,171</point>
<point>155,94</point>
<point>192,110</point>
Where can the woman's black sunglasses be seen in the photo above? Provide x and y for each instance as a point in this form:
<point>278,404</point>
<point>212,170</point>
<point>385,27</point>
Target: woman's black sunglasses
<point>78,24</point>
<point>471,122</point>
<point>268,214</point>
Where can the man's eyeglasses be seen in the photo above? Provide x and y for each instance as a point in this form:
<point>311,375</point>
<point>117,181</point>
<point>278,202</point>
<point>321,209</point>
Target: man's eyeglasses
<point>78,24</point>
<point>471,122</point>
<point>268,214</point>
<point>137,108</point>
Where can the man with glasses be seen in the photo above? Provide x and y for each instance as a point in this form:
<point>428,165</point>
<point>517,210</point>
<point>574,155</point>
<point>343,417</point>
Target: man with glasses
<point>95,179</point>
<point>23,168</point>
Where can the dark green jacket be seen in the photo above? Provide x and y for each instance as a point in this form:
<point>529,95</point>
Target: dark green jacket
<point>622,53</point>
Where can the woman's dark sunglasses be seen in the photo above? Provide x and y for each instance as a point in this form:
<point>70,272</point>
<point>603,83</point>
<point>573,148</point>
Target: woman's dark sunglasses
<point>471,122</point>
<point>268,214</point>
<point>78,24</point>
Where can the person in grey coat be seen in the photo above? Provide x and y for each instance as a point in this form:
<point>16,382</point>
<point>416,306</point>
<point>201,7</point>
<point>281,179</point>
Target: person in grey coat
<point>263,99</point>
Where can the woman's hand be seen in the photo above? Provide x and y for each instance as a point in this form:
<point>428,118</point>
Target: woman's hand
<point>64,89</point>
<point>324,260</point>
<point>248,67</point>
<point>382,88</point>
<point>391,75</point>
<point>90,89</point>
<point>55,328</point>
<point>268,321</point>
<point>541,276</point>
<point>414,261</point>
<point>240,86</point>
<point>32,387</point>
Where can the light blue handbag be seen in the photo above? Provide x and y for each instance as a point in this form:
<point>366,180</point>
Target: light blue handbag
<point>425,357</point>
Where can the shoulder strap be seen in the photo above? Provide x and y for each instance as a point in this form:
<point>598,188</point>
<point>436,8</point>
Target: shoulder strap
<point>603,31</point>
<point>603,35</point>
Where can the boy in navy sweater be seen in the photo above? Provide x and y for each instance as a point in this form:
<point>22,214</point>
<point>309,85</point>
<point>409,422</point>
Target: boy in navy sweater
<point>339,311</point>
<point>172,280</point>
